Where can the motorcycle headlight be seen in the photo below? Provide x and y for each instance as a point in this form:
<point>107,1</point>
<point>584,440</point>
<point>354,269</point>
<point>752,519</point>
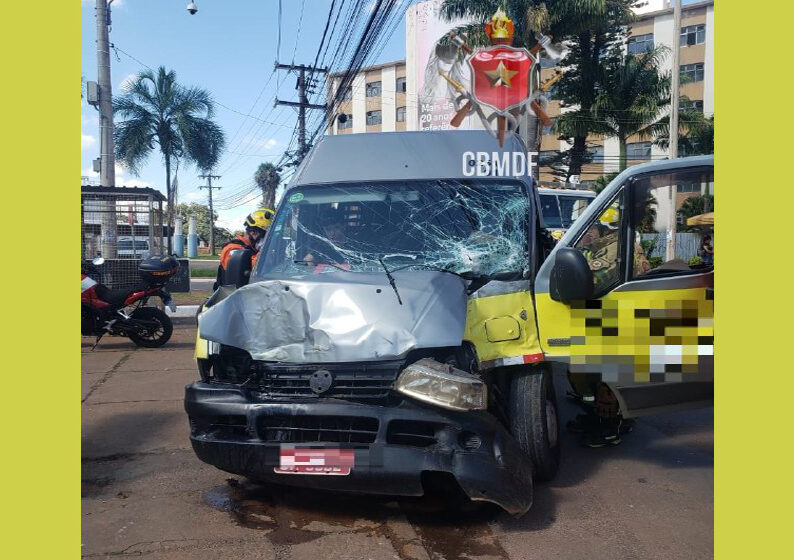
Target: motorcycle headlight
<point>443,385</point>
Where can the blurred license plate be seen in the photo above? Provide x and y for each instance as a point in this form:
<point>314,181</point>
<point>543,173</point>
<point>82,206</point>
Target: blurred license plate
<point>337,462</point>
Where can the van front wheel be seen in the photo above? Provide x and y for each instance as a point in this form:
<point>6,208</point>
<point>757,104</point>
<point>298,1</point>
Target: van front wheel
<point>534,421</point>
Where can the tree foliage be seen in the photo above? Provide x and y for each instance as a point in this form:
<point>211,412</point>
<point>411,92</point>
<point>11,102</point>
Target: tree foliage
<point>595,44</point>
<point>695,134</point>
<point>694,206</point>
<point>267,179</point>
<point>202,213</point>
<point>634,94</point>
<point>155,110</point>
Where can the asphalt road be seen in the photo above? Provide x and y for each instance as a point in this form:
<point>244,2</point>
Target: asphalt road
<point>145,494</point>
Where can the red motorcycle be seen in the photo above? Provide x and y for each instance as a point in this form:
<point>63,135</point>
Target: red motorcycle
<point>123,311</point>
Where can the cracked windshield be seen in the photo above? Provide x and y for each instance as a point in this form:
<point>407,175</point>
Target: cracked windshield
<point>474,228</point>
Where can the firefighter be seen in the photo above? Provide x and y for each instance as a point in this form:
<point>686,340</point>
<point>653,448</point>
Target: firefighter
<point>256,224</point>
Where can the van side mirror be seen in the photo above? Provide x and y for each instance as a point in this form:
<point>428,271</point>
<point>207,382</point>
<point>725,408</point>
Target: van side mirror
<point>571,277</point>
<point>238,268</point>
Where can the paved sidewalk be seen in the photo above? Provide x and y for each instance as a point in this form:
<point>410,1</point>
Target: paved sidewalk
<point>145,494</point>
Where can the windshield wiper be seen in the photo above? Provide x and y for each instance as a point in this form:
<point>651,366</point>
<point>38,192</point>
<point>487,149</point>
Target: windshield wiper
<point>475,281</point>
<point>391,279</point>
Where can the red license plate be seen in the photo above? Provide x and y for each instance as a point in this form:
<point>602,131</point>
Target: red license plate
<point>337,462</point>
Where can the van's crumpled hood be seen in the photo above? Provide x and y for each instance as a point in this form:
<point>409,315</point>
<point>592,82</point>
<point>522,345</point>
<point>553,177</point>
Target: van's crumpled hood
<point>340,316</point>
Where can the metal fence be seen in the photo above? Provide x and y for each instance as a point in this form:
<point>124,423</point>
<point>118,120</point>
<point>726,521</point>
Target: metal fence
<point>687,244</point>
<point>123,225</point>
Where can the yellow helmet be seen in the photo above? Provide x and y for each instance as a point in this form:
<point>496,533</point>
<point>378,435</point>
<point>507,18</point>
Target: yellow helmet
<point>610,218</point>
<point>259,219</point>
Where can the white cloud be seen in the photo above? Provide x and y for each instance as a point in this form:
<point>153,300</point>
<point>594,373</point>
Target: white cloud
<point>123,179</point>
<point>250,143</point>
<point>127,81</point>
<point>86,141</point>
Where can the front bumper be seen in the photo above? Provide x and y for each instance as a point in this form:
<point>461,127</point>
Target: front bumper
<point>393,445</point>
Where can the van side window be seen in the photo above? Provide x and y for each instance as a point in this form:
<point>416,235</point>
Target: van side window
<point>600,245</point>
<point>672,222</point>
<point>550,210</point>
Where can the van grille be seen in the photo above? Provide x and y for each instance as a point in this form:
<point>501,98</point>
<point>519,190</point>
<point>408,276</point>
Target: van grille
<point>318,429</point>
<point>358,381</point>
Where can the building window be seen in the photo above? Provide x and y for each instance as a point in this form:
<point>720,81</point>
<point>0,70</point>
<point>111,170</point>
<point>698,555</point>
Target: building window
<point>691,105</point>
<point>691,73</point>
<point>693,35</point>
<point>596,153</point>
<point>347,94</point>
<point>373,89</point>
<point>640,43</point>
<point>688,187</point>
<point>400,114</point>
<point>373,117</point>
<point>400,85</point>
<point>347,124</point>
<point>638,151</point>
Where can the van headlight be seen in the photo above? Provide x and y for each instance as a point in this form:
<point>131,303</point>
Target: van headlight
<point>443,385</point>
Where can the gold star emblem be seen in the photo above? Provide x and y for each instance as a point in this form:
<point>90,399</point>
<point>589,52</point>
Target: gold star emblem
<point>501,76</point>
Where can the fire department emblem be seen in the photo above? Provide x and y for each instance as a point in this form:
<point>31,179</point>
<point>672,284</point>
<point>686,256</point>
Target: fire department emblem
<point>500,77</point>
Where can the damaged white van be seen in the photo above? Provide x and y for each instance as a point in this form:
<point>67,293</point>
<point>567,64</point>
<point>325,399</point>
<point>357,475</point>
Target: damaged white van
<point>391,334</point>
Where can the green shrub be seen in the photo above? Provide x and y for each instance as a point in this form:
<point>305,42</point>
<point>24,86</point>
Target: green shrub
<point>655,261</point>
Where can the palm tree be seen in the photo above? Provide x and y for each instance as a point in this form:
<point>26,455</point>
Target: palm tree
<point>635,94</point>
<point>694,206</point>
<point>695,135</point>
<point>267,178</point>
<point>158,110</point>
<point>603,181</point>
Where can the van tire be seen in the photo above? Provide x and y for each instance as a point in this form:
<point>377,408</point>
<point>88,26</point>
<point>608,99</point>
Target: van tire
<point>534,419</point>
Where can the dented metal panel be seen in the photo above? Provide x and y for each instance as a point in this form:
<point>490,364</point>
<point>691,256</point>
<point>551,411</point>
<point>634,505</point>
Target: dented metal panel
<point>340,316</point>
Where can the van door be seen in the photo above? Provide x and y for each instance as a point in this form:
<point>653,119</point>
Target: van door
<point>647,329</point>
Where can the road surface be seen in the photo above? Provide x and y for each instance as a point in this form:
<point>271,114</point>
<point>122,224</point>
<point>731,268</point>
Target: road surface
<point>144,493</point>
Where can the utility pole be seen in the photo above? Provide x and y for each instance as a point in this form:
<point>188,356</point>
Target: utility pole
<point>107,172</point>
<point>304,87</point>
<point>674,96</point>
<point>209,187</point>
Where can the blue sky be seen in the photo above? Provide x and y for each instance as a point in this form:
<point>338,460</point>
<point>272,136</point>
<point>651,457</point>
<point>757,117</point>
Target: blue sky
<point>228,48</point>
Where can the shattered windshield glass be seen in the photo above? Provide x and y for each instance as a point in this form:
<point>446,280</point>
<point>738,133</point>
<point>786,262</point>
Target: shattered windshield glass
<point>475,228</point>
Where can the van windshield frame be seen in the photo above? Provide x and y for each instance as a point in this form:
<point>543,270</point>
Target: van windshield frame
<point>477,228</point>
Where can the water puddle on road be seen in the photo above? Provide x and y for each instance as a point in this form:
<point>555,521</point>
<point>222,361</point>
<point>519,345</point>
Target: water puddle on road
<point>435,528</point>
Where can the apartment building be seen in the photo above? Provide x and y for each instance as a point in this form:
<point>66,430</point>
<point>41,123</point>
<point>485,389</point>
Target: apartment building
<point>653,26</point>
<point>375,101</point>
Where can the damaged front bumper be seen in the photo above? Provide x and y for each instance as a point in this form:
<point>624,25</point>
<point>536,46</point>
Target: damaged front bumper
<point>393,445</point>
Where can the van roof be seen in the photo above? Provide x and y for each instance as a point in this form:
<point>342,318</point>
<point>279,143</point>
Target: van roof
<point>390,156</point>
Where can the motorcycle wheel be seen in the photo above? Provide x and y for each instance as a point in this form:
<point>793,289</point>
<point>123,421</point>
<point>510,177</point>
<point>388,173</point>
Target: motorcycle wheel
<point>152,337</point>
